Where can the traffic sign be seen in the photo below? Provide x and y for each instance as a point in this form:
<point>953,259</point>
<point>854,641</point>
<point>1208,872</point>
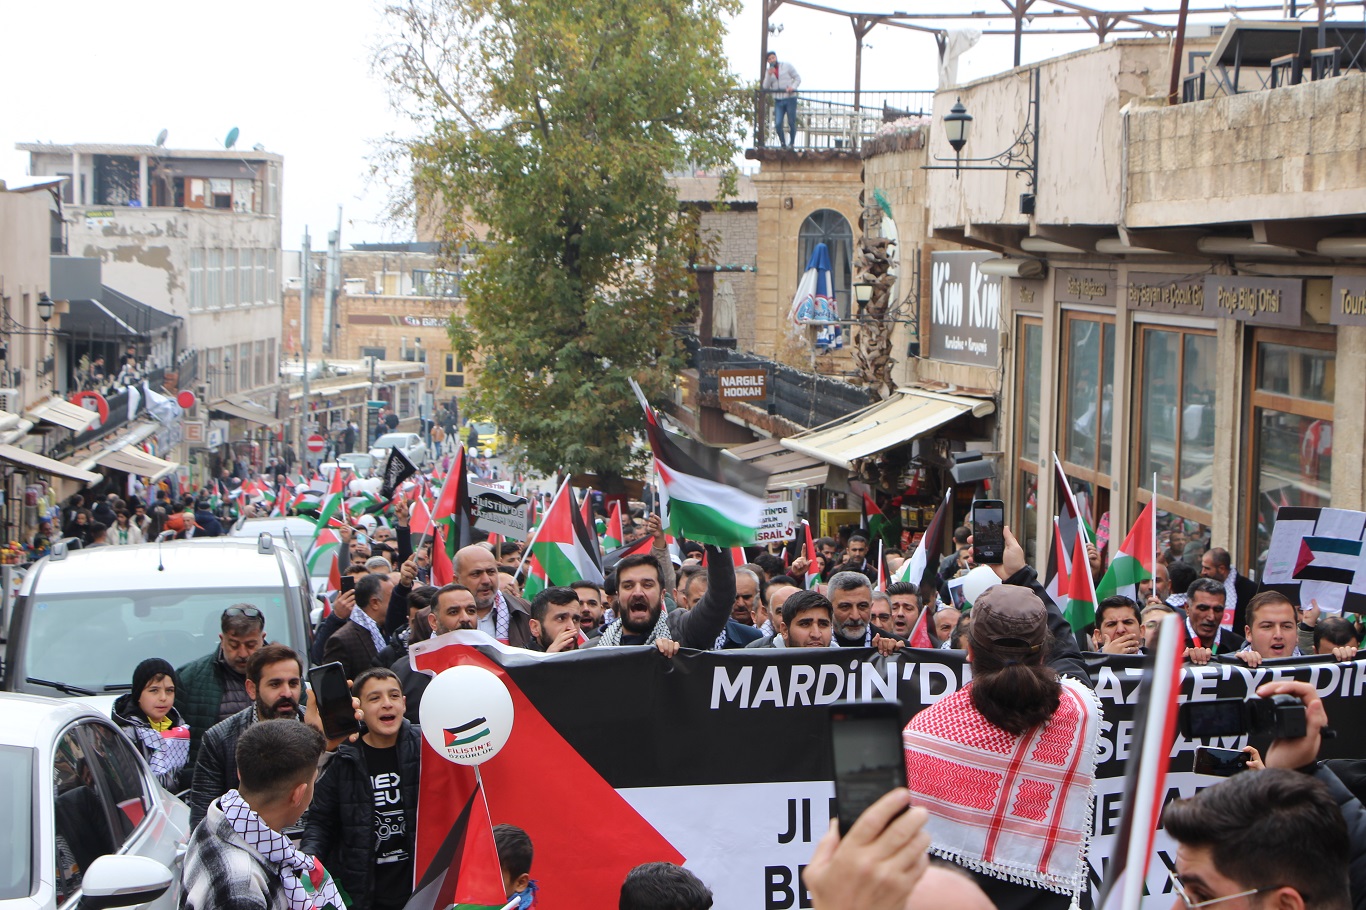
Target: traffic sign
<point>315,444</point>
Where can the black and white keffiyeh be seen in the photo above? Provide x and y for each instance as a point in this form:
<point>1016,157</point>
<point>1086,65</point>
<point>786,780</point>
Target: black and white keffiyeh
<point>308,886</point>
<point>167,752</point>
<point>611,635</point>
<point>362,619</point>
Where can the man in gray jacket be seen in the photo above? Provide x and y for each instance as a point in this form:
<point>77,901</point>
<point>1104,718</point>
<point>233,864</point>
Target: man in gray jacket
<point>781,81</point>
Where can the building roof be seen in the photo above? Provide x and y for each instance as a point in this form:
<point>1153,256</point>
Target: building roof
<point>705,187</point>
<point>154,151</point>
<point>29,184</point>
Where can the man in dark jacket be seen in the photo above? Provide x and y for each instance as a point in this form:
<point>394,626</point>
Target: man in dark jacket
<point>275,684</point>
<point>364,813</point>
<point>214,687</point>
<point>640,603</point>
<point>357,643</point>
<point>454,609</point>
<point>505,617</point>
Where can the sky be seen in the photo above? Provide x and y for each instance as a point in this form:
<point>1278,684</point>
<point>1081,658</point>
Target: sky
<point>295,76</point>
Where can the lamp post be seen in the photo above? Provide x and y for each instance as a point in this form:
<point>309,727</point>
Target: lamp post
<point>45,307</point>
<point>863,293</point>
<point>956,123</point>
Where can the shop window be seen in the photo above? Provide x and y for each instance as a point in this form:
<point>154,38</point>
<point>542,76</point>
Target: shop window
<point>244,366</point>
<point>196,279</point>
<point>832,229</point>
<point>1088,392</point>
<point>455,372</point>
<point>1176,394</point>
<point>230,297</point>
<point>1290,430</point>
<point>1029,383</point>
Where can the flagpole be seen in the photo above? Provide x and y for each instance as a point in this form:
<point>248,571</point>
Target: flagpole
<point>1154,535</point>
<point>535,535</point>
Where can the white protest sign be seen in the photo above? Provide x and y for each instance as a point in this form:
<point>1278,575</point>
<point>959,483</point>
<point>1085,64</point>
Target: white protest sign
<point>777,524</point>
<point>499,512</point>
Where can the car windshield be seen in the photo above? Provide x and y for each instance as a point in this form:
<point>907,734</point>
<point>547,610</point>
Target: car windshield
<point>94,640</point>
<point>354,458</point>
<point>389,440</point>
<point>16,804</point>
<point>486,429</point>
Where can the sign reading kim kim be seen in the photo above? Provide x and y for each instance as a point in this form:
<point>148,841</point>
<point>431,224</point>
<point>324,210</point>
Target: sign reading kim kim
<point>965,309</point>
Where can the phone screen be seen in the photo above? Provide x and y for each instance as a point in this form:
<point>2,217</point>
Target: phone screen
<point>988,532</point>
<point>334,700</point>
<point>869,759</point>
<point>1220,762</point>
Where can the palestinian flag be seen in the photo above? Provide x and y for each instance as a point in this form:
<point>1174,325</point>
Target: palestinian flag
<point>920,632</point>
<point>305,502</point>
<point>453,506</point>
<point>1145,777</point>
<point>1069,520</point>
<point>590,529</point>
<point>1331,559</point>
<point>419,519</point>
<point>563,550</point>
<point>812,576</point>
<point>707,495</point>
<point>873,519</point>
<point>326,545</point>
<point>1133,563</point>
<point>364,503</point>
<point>464,872</point>
<point>443,567</point>
<point>881,569</point>
<point>612,557</point>
<point>1081,591</point>
<point>614,536</point>
<point>926,555</point>
<point>332,511</point>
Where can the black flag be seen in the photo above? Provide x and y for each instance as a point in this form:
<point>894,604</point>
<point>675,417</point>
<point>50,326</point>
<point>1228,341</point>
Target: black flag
<point>397,468</point>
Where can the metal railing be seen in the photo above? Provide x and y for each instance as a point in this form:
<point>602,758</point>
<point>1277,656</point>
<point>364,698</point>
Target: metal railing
<point>836,119</point>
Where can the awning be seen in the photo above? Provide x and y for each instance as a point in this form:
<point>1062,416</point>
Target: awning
<point>45,465</point>
<point>245,411</point>
<point>64,414</point>
<point>788,470</point>
<point>911,413</point>
<point>124,455</point>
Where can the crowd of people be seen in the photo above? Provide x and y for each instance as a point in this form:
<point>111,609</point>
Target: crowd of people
<point>236,730</point>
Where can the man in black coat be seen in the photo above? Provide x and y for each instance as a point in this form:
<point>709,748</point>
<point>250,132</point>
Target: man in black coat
<point>275,685</point>
<point>364,813</point>
<point>1218,566</point>
<point>356,645</point>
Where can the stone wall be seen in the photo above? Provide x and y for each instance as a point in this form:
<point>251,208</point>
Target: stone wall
<point>735,235</point>
<point>1291,152</point>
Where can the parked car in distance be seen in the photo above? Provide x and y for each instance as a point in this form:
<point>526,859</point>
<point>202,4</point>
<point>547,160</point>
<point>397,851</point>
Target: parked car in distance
<point>491,441</point>
<point>84,619</point>
<point>360,463</point>
<point>410,444</point>
<point>90,825</point>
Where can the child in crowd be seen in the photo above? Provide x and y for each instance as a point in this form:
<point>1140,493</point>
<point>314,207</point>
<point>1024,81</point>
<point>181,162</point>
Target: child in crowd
<point>514,856</point>
<point>148,717</point>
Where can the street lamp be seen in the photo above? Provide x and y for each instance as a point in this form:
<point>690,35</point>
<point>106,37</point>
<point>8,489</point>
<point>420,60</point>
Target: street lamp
<point>45,306</point>
<point>863,293</point>
<point>956,123</point>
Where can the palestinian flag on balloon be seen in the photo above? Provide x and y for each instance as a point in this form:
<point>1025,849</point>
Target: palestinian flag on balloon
<point>707,496</point>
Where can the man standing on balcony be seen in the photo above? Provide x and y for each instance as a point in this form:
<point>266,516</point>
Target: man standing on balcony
<point>781,81</point>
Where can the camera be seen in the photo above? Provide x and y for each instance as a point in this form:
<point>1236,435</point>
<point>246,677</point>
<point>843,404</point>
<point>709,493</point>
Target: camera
<point>1280,717</point>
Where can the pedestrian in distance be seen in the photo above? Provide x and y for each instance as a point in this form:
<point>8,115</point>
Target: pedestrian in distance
<point>781,81</point>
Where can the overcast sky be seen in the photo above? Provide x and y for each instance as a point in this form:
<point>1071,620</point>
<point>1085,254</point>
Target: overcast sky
<point>294,75</point>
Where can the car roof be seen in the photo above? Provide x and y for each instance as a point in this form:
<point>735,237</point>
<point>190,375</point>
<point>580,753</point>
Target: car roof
<point>32,720</point>
<point>218,562</point>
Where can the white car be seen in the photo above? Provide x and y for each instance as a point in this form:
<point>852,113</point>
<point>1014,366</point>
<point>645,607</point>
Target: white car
<point>89,824</point>
<point>410,444</point>
<point>360,463</point>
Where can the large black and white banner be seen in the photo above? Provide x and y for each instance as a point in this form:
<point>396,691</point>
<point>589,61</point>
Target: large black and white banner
<point>621,756</point>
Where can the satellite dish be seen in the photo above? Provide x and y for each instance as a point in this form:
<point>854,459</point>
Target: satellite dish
<point>161,139</point>
<point>232,138</point>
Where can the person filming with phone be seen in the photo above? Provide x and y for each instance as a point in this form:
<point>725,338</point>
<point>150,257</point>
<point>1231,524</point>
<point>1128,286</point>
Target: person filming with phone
<point>1012,812</point>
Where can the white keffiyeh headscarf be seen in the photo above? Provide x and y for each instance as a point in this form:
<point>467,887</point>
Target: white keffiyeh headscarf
<point>308,886</point>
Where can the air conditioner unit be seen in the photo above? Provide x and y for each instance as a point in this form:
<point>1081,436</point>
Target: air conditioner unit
<point>9,400</point>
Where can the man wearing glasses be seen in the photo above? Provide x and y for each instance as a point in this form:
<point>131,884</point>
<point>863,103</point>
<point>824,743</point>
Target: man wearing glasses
<point>214,687</point>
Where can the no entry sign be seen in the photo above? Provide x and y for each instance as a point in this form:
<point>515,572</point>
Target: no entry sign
<point>315,444</point>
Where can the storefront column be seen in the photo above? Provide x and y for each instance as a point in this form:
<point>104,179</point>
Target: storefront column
<point>1123,507</point>
<point>1048,419</point>
<point>1349,420</point>
<point>1229,437</point>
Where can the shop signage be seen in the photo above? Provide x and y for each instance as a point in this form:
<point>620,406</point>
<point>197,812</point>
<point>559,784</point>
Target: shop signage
<point>965,309</point>
<point>742,385</point>
<point>1349,300</point>
<point>1261,301</point>
<point>1026,295</point>
<point>194,432</point>
<point>1162,293</point>
<point>1091,286</point>
<point>412,322</point>
<point>218,433</point>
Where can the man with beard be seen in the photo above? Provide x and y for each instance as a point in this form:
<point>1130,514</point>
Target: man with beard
<point>640,607</point>
<point>555,620</point>
<point>851,595</point>
<point>356,645</point>
<point>502,616</point>
<point>592,603</point>
<point>214,687</point>
<point>1205,638</point>
<point>806,622</point>
<point>274,684</point>
<point>455,608</point>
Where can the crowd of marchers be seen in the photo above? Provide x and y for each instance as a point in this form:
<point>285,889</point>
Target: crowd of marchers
<point>283,818</point>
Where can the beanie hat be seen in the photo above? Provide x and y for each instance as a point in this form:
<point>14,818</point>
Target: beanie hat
<point>148,670</point>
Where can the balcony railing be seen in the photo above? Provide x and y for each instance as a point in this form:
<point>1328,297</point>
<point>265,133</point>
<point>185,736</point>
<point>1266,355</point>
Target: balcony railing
<point>1255,56</point>
<point>837,119</point>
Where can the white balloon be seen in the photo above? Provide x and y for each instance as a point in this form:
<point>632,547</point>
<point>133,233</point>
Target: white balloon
<point>974,583</point>
<point>467,714</point>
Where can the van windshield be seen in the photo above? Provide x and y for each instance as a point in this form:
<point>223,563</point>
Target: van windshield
<point>94,640</point>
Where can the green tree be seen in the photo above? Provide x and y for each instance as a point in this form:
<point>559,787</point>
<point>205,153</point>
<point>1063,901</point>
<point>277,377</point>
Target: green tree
<point>553,128</point>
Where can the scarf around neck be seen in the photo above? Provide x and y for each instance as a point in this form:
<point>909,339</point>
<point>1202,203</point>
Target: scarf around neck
<point>1016,808</point>
<point>308,886</point>
<point>362,619</point>
<point>168,749</point>
<point>611,635</point>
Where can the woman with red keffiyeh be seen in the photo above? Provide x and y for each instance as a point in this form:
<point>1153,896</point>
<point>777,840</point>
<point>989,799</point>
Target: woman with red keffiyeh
<point>1006,765</point>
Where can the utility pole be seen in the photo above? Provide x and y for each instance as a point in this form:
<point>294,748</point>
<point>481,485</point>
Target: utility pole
<point>304,293</point>
<point>331,287</point>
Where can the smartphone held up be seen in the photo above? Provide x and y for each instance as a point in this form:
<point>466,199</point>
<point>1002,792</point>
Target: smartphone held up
<point>988,532</point>
<point>867,756</point>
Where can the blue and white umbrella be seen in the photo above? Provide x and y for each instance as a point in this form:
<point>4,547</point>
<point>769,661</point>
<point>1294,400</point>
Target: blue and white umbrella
<point>814,302</point>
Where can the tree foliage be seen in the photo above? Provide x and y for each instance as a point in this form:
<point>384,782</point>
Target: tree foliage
<point>553,128</point>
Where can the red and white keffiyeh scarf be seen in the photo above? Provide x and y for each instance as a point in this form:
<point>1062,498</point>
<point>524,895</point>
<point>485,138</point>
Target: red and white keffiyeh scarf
<point>1016,808</point>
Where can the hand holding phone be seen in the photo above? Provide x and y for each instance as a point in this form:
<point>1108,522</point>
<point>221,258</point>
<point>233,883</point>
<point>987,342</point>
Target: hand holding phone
<point>866,754</point>
<point>988,532</point>
<point>1220,762</point>
<point>336,711</point>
